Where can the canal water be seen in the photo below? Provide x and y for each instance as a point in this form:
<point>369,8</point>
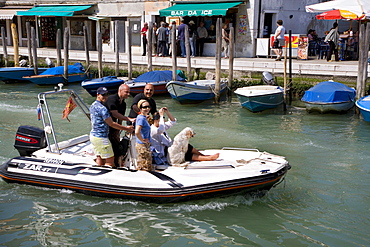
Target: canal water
<point>324,200</point>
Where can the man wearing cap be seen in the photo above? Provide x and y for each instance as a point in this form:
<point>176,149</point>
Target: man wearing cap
<point>147,95</point>
<point>193,38</point>
<point>100,122</point>
<point>117,107</point>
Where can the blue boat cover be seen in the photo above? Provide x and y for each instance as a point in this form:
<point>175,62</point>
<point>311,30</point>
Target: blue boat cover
<point>106,79</point>
<point>329,92</point>
<point>72,69</point>
<point>157,75</point>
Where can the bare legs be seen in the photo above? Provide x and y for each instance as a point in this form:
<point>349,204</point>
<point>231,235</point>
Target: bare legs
<point>198,156</point>
<point>102,162</point>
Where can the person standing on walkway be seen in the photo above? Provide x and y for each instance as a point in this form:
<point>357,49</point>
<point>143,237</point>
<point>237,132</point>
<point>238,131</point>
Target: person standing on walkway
<point>162,40</point>
<point>100,123</point>
<point>332,38</point>
<point>225,41</point>
<point>181,37</point>
<point>202,35</point>
<point>279,35</point>
<point>170,37</point>
<point>144,30</point>
<point>193,38</point>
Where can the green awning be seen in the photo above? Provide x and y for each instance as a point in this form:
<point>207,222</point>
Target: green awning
<point>198,9</point>
<point>60,10</point>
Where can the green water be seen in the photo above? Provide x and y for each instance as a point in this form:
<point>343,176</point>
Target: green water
<point>324,200</point>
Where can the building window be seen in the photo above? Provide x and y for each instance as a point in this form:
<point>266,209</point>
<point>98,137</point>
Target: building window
<point>24,20</point>
<point>105,31</point>
<point>77,27</point>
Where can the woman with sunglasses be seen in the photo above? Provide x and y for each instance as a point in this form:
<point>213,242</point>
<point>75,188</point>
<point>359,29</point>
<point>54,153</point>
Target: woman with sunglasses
<point>142,132</point>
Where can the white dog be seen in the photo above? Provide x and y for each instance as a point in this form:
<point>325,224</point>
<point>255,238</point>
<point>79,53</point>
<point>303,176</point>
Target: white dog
<point>179,147</point>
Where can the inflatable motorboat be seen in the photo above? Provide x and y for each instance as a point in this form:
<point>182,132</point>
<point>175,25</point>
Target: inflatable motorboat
<point>70,164</point>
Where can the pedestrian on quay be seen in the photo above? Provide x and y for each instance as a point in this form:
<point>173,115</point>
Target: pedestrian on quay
<point>225,41</point>
<point>332,38</point>
<point>193,38</point>
<point>144,31</point>
<point>170,37</point>
<point>202,36</point>
<point>279,35</point>
<point>181,37</point>
<point>162,34</point>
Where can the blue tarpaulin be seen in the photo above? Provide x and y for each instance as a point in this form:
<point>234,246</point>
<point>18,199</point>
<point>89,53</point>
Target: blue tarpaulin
<point>156,76</point>
<point>72,69</point>
<point>329,92</point>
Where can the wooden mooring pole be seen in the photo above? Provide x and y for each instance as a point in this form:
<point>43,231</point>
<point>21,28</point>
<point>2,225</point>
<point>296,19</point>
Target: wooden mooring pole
<point>29,43</point>
<point>231,61</point>
<point>150,46</point>
<point>59,47</point>
<point>100,54</point>
<point>87,49</point>
<point>174,52</point>
<point>34,51</point>
<point>15,44</point>
<point>129,50</point>
<point>218,60</point>
<point>116,47</point>
<point>188,52</point>
<point>3,38</point>
<point>66,53</point>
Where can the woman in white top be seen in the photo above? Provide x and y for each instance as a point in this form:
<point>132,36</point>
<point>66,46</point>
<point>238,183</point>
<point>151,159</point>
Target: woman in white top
<point>160,140</point>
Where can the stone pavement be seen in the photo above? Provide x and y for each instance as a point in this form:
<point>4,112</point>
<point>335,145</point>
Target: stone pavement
<point>311,67</point>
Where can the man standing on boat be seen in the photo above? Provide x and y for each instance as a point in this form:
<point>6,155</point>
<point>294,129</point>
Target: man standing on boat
<point>117,107</point>
<point>147,95</point>
<point>100,123</point>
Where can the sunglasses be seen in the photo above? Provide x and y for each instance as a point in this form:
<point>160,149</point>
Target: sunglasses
<point>145,107</point>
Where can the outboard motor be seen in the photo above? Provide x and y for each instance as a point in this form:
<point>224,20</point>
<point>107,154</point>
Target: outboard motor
<point>268,79</point>
<point>29,139</point>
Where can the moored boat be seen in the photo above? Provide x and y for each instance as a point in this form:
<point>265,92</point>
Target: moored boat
<point>158,78</point>
<point>329,96</point>
<point>13,74</point>
<point>261,97</point>
<point>70,164</point>
<point>194,91</point>
<point>364,105</point>
<point>55,75</point>
<point>112,83</point>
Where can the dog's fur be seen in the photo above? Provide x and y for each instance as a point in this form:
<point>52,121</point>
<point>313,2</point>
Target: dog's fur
<point>179,147</point>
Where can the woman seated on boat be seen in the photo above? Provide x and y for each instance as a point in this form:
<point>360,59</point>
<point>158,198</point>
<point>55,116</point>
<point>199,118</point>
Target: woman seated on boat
<point>142,132</point>
<point>160,140</point>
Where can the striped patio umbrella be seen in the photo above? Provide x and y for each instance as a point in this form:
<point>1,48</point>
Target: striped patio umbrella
<point>338,14</point>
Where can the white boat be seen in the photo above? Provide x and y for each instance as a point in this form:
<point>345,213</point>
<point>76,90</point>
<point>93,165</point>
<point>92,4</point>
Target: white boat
<point>69,164</point>
<point>194,91</point>
<point>259,98</point>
